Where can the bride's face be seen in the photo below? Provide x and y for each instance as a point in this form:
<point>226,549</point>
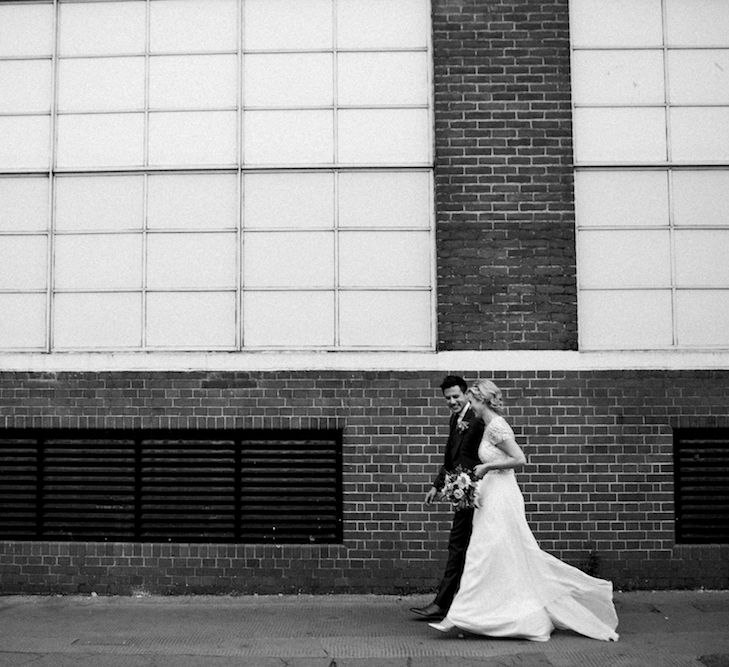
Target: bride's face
<point>477,405</point>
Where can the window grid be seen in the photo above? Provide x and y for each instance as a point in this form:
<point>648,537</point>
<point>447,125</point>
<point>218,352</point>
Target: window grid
<point>242,169</point>
<point>670,166</point>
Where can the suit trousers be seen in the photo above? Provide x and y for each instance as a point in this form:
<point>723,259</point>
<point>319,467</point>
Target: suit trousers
<point>457,546</point>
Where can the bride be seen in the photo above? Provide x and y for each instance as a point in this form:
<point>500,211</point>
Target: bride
<point>510,587</point>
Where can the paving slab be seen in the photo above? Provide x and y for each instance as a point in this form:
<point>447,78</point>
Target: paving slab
<point>661,629</point>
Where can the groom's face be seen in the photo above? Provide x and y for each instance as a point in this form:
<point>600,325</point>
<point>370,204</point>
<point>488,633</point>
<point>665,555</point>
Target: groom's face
<point>455,398</point>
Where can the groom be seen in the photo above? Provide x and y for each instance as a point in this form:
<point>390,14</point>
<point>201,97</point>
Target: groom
<point>464,438</point>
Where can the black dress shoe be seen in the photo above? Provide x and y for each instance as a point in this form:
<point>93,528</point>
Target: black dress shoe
<point>432,612</point>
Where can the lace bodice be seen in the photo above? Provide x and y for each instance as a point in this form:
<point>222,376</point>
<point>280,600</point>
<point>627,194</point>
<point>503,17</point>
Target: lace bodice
<point>496,431</point>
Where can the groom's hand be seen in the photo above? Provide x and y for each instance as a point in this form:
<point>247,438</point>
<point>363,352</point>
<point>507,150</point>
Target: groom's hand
<point>431,495</point>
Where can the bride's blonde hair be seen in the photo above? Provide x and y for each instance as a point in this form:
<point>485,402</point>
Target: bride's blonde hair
<point>489,393</point>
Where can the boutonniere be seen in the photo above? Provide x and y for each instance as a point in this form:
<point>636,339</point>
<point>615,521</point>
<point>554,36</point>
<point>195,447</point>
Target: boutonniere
<point>462,426</point>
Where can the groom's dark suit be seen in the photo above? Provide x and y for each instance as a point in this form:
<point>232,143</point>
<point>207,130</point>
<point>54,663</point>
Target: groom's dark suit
<point>461,450</point>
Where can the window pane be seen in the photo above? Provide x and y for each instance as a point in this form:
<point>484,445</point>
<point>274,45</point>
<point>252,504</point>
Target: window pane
<point>611,198</point>
<point>620,135</point>
<point>624,258</point>
<point>287,24</point>
<point>387,259</point>
<point>288,137</point>
<point>703,317</point>
<point>197,82</point>
<point>193,201</point>
<point>193,25</point>
<point>288,200</point>
<point>23,323</point>
<point>697,22</point>
<point>198,320</point>
<point>384,319</point>
<point>288,80</point>
<point>384,199</point>
<point>700,134</point>
<point>23,262</point>
<point>291,319</point>
<point>99,202</point>
<point>94,261</point>
<point>382,78</point>
<point>97,28</point>
<point>100,84</point>
<point>24,204</point>
<point>26,29</point>
<point>617,77</point>
<point>625,320</point>
<point>383,23</point>
<point>25,86</point>
<point>383,136</point>
<point>191,260</point>
<point>701,197</point>
<point>193,138</point>
<point>25,142</point>
<point>699,77</point>
<point>288,259</point>
<point>97,321</point>
<point>100,140</point>
<point>616,23</point>
<point>701,258</point>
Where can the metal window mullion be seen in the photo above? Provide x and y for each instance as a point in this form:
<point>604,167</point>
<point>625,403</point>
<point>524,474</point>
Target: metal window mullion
<point>336,173</point>
<point>145,189</point>
<point>50,234</point>
<point>240,157</point>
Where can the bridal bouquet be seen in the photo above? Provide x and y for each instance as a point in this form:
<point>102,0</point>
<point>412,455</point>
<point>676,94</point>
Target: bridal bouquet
<point>459,488</point>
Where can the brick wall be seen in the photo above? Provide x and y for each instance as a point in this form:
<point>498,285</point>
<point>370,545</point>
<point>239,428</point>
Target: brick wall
<point>504,187</point>
<point>599,484</point>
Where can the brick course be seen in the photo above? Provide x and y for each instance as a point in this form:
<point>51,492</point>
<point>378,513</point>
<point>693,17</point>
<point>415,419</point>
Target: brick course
<point>598,487</point>
<point>503,175</point>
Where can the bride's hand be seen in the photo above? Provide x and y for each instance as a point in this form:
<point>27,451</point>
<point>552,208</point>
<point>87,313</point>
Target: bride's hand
<point>480,470</point>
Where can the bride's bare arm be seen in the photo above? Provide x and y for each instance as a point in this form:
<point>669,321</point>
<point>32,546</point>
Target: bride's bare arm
<point>515,458</point>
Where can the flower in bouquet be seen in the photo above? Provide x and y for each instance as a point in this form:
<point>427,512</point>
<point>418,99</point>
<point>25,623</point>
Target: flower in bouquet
<point>459,488</point>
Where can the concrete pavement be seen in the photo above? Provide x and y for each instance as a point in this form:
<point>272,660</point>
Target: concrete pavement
<point>661,629</point>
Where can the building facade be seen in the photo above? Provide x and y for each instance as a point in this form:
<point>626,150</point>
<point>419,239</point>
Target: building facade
<point>242,241</point>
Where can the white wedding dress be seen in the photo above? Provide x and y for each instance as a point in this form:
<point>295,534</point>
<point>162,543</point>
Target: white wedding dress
<point>510,587</point>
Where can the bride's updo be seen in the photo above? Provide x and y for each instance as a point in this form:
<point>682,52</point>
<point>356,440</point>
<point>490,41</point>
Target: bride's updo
<point>489,393</point>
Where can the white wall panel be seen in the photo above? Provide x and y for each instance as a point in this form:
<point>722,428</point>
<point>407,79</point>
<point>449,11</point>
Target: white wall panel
<point>288,137</point>
<point>621,198</point>
<point>382,23</point>
<point>288,259</point>
<point>697,22</point>
<point>101,84</point>
<point>700,135</point>
<point>23,321</point>
<point>25,86</point>
<point>288,199</point>
<point>98,261</point>
<point>287,24</point>
<point>617,23</point>
<point>100,140</point>
<point>24,204</point>
<point>288,319</point>
<point>23,261</point>
<point>100,203</point>
<point>101,28</point>
<point>703,317</point>
<point>701,197</point>
<point>698,77</point>
<point>97,321</point>
<point>384,199</point>
<point>385,319</point>
<point>288,79</point>
<point>26,29</point>
<point>193,25</point>
<point>193,82</point>
<point>625,319</point>
<point>702,257</point>
<point>618,77</point>
<point>191,320</point>
<point>25,143</point>
<point>193,138</point>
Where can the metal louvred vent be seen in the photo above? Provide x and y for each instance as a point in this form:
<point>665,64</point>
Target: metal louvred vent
<point>182,486</point>
<point>701,463</point>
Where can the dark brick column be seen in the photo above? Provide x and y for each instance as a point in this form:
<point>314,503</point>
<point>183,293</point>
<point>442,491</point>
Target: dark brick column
<point>503,173</point>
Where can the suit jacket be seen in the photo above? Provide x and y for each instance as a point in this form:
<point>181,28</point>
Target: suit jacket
<point>462,446</point>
